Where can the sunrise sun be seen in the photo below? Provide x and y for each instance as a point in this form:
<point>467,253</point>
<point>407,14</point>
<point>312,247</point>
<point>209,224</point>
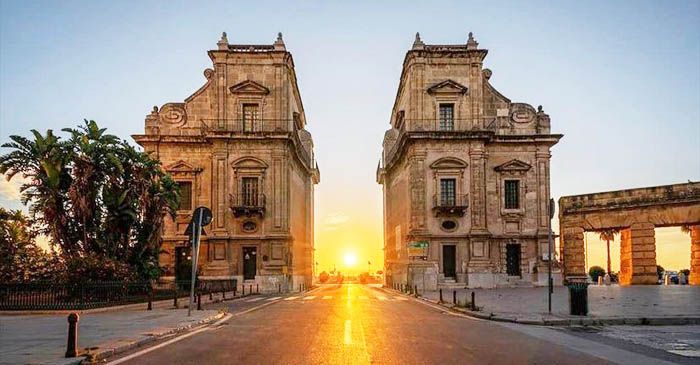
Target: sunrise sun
<point>349,259</point>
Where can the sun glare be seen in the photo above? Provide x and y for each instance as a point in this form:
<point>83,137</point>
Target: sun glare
<point>350,259</point>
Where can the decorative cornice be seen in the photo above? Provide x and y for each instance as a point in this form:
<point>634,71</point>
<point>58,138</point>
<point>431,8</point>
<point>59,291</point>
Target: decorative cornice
<point>249,87</point>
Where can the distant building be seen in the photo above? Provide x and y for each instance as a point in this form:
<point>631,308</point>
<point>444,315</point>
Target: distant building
<point>465,176</point>
<point>239,146</point>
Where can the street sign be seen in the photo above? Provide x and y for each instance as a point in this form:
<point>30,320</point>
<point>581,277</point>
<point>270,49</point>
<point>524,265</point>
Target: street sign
<point>200,217</point>
<point>418,250</point>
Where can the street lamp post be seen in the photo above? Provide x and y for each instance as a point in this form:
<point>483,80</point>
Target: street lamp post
<point>550,283</point>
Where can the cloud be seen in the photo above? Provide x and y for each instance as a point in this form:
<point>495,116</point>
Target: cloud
<point>9,190</point>
<point>333,221</point>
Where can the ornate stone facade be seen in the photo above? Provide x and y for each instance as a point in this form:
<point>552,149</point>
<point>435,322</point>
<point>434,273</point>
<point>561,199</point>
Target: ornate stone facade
<point>635,213</point>
<point>239,146</point>
<point>466,171</point>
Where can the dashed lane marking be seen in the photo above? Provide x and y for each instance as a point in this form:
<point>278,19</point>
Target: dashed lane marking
<point>310,297</point>
<point>273,298</point>
<point>326,297</point>
<point>290,298</point>
<point>254,300</point>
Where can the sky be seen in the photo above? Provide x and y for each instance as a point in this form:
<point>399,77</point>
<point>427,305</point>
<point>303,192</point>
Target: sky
<point>620,80</point>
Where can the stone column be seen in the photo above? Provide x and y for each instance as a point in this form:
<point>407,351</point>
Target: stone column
<point>572,251</point>
<point>694,255</point>
<point>638,255</point>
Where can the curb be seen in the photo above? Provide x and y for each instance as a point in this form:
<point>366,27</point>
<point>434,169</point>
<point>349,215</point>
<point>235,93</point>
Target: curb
<point>567,322</point>
<point>98,356</point>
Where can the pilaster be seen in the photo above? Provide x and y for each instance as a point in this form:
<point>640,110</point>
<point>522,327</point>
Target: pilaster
<point>638,255</point>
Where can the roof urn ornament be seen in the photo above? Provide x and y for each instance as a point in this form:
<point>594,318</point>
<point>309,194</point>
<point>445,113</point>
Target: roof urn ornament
<point>418,43</point>
<point>279,43</point>
<point>223,42</point>
<point>471,42</point>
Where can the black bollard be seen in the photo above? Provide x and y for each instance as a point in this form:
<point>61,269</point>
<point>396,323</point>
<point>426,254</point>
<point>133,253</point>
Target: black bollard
<point>199,301</point>
<point>72,347</point>
<point>415,288</point>
<point>250,291</point>
<point>257,288</point>
<point>454,297</point>
<point>175,297</point>
<point>440,295</point>
<point>150,300</point>
<point>243,290</point>
<point>223,294</point>
<point>473,302</point>
<point>279,288</point>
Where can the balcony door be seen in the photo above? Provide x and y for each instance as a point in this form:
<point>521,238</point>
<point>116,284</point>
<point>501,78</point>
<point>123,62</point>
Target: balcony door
<point>250,192</point>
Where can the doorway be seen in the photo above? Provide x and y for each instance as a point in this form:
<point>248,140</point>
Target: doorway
<point>449,261</point>
<point>513,259</point>
<point>249,262</point>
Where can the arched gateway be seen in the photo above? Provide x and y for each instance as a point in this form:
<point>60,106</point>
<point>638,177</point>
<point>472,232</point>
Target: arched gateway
<point>635,212</point>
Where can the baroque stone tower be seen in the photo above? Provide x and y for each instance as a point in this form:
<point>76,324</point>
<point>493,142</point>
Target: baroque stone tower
<point>239,146</point>
<point>465,176</point>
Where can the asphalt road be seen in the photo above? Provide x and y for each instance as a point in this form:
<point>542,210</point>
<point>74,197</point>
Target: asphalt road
<point>356,324</point>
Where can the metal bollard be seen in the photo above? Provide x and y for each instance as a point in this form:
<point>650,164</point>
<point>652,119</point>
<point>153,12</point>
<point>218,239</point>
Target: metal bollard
<point>150,300</point>
<point>415,288</point>
<point>454,297</point>
<point>250,291</point>
<point>257,288</point>
<point>440,295</point>
<point>72,347</point>
<point>242,289</point>
<point>199,301</point>
<point>279,288</point>
<point>473,302</point>
<point>175,297</point>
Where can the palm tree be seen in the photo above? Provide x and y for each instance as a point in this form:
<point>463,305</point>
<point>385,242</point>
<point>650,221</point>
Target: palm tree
<point>608,235</point>
<point>686,229</point>
<point>43,162</point>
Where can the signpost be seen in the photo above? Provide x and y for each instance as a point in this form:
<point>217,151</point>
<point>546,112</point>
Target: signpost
<point>549,255</point>
<point>201,217</point>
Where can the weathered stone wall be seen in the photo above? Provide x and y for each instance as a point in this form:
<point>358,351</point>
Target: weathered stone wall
<point>203,141</point>
<point>493,140</point>
<point>636,212</point>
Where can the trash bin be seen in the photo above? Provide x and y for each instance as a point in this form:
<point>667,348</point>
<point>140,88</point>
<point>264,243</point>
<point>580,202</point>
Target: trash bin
<point>578,298</point>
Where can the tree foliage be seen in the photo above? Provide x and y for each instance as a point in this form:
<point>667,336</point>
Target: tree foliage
<point>323,277</point>
<point>102,202</point>
<point>21,259</point>
<point>595,272</point>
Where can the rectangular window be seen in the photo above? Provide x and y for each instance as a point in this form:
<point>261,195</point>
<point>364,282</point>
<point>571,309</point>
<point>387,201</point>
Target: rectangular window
<point>447,117</point>
<point>512,191</point>
<point>185,195</point>
<point>447,192</point>
<point>250,118</point>
<point>249,191</point>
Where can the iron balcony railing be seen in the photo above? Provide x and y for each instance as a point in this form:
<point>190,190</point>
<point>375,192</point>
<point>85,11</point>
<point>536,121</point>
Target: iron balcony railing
<point>450,205</point>
<point>247,204</point>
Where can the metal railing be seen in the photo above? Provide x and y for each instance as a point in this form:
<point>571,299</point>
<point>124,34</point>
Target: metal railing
<point>80,296</point>
<point>450,201</point>
<point>247,200</point>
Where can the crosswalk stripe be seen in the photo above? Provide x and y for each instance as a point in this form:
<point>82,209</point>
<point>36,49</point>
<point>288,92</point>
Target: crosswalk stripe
<point>273,298</point>
<point>400,298</point>
<point>381,297</point>
<point>309,297</point>
<point>327,297</point>
<point>254,300</point>
<point>290,298</point>
<point>364,297</point>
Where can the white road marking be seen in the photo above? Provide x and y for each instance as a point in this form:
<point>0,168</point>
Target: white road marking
<point>254,300</point>
<point>310,297</point>
<point>364,297</point>
<point>400,298</point>
<point>326,297</point>
<point>348,332</point>
<point>273,298</point>
<point>381,297</point>
<point>290,298</point>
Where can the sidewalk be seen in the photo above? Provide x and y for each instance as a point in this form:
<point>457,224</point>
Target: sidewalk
<point>41,339</point>
<point>655,304</point>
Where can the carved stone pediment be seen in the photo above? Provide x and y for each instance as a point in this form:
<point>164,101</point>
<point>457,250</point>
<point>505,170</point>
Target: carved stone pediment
<point>448,163</point>
<point>249,163</point>
<point>249,87</point>
<point>514,165</point>
<point>447,87</point>
<point>182,167</point>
